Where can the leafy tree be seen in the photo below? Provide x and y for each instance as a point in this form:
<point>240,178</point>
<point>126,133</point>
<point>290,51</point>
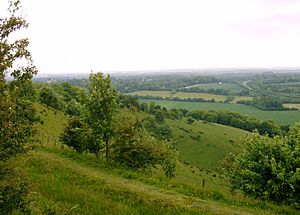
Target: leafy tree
<point>160,131</point>
<point>269,168</point>
<point>128,101</point>
<point>144,107</point>
<point>136,149</point>
<point>101,108</point>
<point>49,97</point>
<point>16,112</point>
<point>174,114</point>
<point>76,135</point>
<point>159,116</point>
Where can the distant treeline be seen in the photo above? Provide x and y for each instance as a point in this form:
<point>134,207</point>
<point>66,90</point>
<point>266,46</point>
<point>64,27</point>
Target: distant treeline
<point>266,103</point>
<point>244,92</point>
<point>176,99</point>
<point>237,120</point>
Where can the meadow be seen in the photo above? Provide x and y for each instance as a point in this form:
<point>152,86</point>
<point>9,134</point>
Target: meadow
<point>230,87</point>
<point>205,144</point>
<point>280,117</point>
<point>186,95</point>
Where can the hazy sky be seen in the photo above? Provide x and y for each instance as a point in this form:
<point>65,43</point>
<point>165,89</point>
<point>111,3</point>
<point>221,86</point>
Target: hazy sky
<point>79,36</point>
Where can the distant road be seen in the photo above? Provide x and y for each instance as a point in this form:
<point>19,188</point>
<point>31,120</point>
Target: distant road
<point>245,84</point>
<point>196,85</point>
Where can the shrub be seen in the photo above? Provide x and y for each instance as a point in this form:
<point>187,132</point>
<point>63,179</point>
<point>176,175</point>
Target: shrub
<point>269,168</point>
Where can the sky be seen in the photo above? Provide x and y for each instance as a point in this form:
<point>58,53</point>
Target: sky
<point>76,36</point>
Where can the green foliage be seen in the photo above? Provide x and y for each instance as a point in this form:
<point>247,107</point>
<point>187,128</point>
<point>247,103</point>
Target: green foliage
<point>76,135</point>
<point>17,116</point>
<point>13,191</point>
<point>49,98</point>
<point>174,114</point>
<point>265,103</point>
<point>101,108</point>
<point>158,130</point>
<point>127,101</point>
<point>136,149</point>
<point>159,116</point>
<point>190,120</point>
<point>62,97</point>
<point>269,168</point>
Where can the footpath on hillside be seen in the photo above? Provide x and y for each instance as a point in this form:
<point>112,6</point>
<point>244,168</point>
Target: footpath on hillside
<point>153,193</point>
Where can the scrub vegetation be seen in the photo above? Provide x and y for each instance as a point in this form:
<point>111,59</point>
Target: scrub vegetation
<point>88,146</point>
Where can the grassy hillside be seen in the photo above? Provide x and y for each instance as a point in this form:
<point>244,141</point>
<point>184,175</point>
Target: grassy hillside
<point>64,182</point>
<point>205,144</point>
<point>280,117</point>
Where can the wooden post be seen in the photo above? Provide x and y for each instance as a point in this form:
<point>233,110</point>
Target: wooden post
<point>203,183</point>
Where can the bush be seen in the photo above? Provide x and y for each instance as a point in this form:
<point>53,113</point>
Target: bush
<point>269,168</point>
<point>136,149</point>
<point>76,135</point>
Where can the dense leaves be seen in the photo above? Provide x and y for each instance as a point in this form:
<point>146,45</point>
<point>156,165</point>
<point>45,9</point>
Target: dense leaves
<point>136,149</point>
<point>17,116</point>
<point>269,168</point>
<point>76,135</point>
<point>101,108</point>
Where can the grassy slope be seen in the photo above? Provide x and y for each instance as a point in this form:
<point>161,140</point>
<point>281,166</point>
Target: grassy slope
<point>68,183</point>
<point>280,117</point>
<point>205,144</point>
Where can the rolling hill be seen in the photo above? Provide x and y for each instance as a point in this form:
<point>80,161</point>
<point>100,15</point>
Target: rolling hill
<point>65,182</point>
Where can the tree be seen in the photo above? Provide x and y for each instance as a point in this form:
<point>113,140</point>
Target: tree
<point>76,135</point>
<point>136,149</point>
<point>17,116</point>
<point>49,98</point>
<point>159,116</point>
<point>101,109</point>
<point>269,168</point>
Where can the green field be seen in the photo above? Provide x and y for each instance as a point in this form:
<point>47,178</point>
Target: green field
<point>232,88</point>
<point>65,182</point>
<point>185,95</point>
<point>205,144</point>
<point>280,117</point>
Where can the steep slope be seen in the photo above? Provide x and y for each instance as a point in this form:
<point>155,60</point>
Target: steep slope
<point>205,144</point>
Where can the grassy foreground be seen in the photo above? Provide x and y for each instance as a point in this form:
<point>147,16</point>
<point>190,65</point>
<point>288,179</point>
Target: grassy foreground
<point>64,182</point>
